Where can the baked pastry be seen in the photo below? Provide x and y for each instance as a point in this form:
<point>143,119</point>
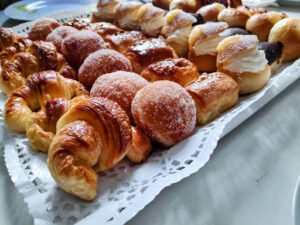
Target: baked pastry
<point>273,52</point>
<point>38,89</point>
<point>146,52</point>
<point>165,112</point>
<point>106,10</point>
<point>7,37</point>
<point>78,23</point>
<point>104,29</point>
<point>239,57</point>
<point>42,28</point>
<point>213,94</point>
<point>93,135</point>
<point>234,31</point>
<point>120,87</point>
<point>38,57</point>
<point>163,4</point>
<point>58,34</point>
<point>127,15</point>
<point>234,17</point>
<point>151,19</point>
<point>287,32</point>
<point>185,5</point>
<point>78,46</point>
<point>211,12</point>
<point>99,63</point>
<point>261,24</point>
<point>123,40</point>
<point>176,29</point>
<point>181,71</point>
<point>203,42</point>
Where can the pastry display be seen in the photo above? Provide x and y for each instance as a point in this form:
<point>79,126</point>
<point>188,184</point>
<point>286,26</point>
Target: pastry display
<point>42,28</point>
<point>213,94</point>
<point>240,58</point>
<point>181,71</point>
<point>99,63</point>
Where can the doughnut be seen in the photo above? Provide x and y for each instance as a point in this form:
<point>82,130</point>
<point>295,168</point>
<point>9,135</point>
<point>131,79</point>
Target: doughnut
<point>41,28</point>
<point>77,46</point>
<point>119,86</point>
<point>181,71</point>
<point>99,63</point>
<point>165,112</point>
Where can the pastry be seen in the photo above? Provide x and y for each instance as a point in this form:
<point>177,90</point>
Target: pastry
<point>146,52</point>
<point>261,24</point>
<point>77,46</point>
<point>185,5</point>
<point>273,52</point>
<point>287,32</point>
<point>93,135</point>
<point>165,112</point>
<point>203,42</point>
<point>38,89</point>
<point>104,29</point>
<point>176,29</point>
<point>234,31</point>
<point>240,58</point>
<point>211,12</point>
<point>181,71</point>
<point>119,86</point>
<point>42,28</point>
<point>78,23</point>
<point>234,17</point>
<point>7,37</point>
<point>99,63</point>
<point>58,34</point>
<point>213,94</point>
<point>106,10</point>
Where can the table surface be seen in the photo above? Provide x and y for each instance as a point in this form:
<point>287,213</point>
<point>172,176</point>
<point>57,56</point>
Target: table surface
<point>250,178</point>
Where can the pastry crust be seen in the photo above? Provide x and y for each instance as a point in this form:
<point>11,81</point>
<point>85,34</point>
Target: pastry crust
<point>181,71</point>
<point>106,10</point>
<point>213,94</point>
<point>163,4</point>
<point>42,28</point>
<point>211,12</point>
<point>287,32</point>
<point>7,37</point>
<point>185,5</point>
<point>234,17</point>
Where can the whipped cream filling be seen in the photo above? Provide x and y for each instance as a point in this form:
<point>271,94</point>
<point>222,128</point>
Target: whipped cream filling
<point>153,26</point>
<point>179,40</point>
<point>208,47</point>
<point>254,61</point>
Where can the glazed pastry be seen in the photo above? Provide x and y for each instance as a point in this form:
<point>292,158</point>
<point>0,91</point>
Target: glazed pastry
<point>93,135</point>
<point>7,37</point>
<point>42,28</point>
<point>239,57</point>
<point>163,4</point>
<point>273,52</point>
<point>181,71</point>
<point>211,12</point>
<point>31,97</point>
<point>234,17</point>
<point>120,87</point>
<point>213,94</point>
<point>106,10</point>
<point>151,19</point>
<point>287,32</point>
<point>78,46</point>
<point>99,63</point>
<point>38,57</point>
<point>78,23</point>
<point>58,34</point>
<point>176,29</point>
<point>165,112</point>
<point>127,15</point>
<point>261,24</point>
<point>203,42</point>
<point>146,52</point>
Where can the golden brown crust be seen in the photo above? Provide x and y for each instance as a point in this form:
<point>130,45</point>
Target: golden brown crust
<point>78,23</point>
<point>211,12</point>
<point>213,94</point>
<point>7,37</point>
<point>204,63</point>
<point>41,28</point>
<point>104,29</point>
<point>181,71</point>
<point>235,17</point>
<point>185,5</point>
<point>146,52</point>
<point>163,4</point>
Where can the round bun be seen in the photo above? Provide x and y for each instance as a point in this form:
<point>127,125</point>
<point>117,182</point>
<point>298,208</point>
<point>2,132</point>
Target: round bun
<point>119,86</point>
<point>41,28</point>
<point>99,63</point>
<point>57,35</point>
<point>287,32</point>
<point>234,17</point>
<point>165,112</point>
<point>211,12</point>
<point>181,71</point>
<point>77,46</point>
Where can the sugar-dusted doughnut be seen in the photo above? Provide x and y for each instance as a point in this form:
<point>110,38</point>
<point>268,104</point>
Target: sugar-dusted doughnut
<point>41,28</point>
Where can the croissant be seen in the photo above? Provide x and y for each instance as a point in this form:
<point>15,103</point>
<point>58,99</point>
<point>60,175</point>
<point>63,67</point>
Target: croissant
<point>38,89</point>
<point>7,37</point>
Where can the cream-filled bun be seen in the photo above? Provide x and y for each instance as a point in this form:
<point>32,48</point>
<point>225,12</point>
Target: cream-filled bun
<point>211,12</point>
<point>235,17</point>
<point>106,10</point>
<point>176,29</point>
<point>185,5</point>
<point>287,32</point>
<point>240,58</point>
<point>203,42</point>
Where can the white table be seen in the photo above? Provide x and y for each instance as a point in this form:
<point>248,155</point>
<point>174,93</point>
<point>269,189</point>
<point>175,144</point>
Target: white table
<point>250,179</point>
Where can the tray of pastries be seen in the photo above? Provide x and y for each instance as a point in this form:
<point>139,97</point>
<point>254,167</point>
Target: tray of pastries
<point>103,108</point>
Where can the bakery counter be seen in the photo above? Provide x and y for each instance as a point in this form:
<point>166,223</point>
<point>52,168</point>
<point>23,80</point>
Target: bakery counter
<point>250,178</point>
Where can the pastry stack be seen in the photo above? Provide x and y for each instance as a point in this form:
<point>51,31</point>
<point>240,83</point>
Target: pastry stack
<point>89,93</point>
